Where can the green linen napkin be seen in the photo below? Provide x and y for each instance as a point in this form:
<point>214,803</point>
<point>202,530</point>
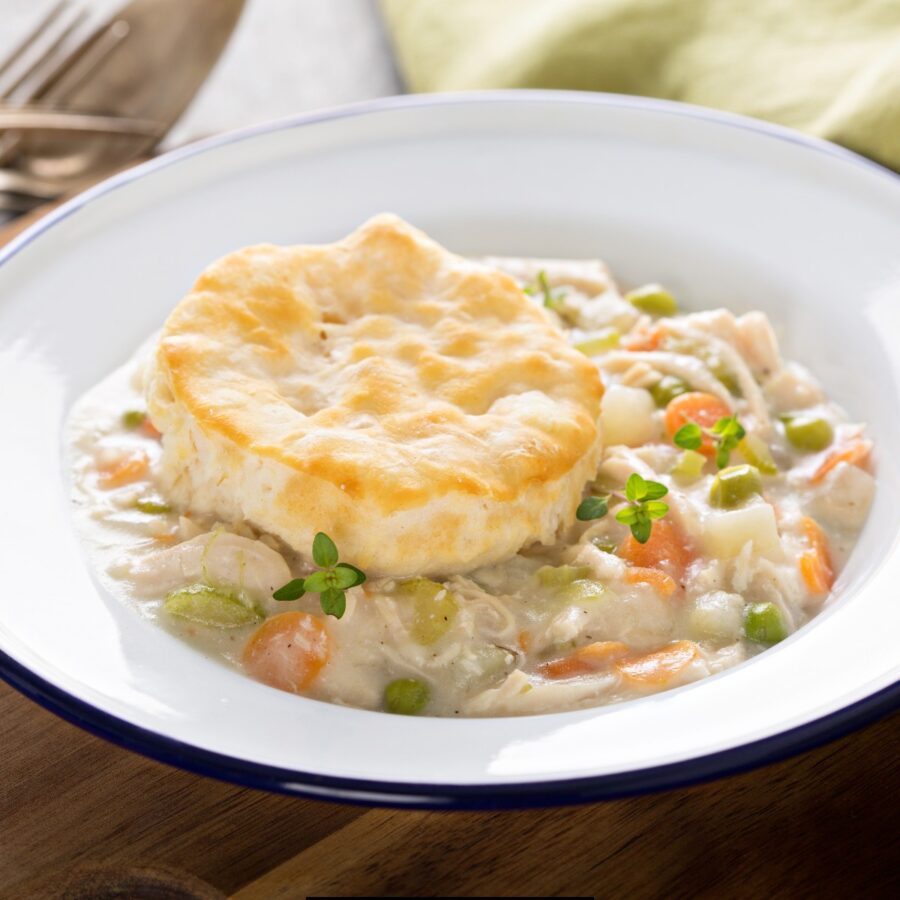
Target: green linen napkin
<point>827,67</point>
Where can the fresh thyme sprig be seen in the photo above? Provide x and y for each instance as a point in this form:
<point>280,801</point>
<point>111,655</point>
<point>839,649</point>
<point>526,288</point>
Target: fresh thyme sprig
<point>330,582</point>
<point>725,435</point>
<point>642,504</point>
<point>552,299</point>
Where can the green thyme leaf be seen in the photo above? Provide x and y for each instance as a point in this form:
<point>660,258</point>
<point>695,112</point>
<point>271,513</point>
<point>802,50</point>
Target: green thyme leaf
<point>324,552</point>
<point>552,299</point>
<point>333,601</point>
<point>360,576</point>
<point>688,437</point>
<point>655,490</point>
<point>635,487</point>
<point>293,590</point>
<point>627,515</point>
<point>318,581</point>
<point>342,577</point>
<point>641,530</point>
<point>592,508</point>
<point>655,509</point>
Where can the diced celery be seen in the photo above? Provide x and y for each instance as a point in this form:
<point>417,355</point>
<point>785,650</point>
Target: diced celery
<point>152,506</point>
<point>734,485</point>
<point>756,451</point>
<point>434,608</point>
<point>600,343</point>
<point>583,591</point>
<point>211,606</point>
<point>560,576</point>
<point>653,299</point>
<point>764,624</point>
<point>406,696</point>
<point>605,544</point>
<point>689,466</point>
<point>133,418</point>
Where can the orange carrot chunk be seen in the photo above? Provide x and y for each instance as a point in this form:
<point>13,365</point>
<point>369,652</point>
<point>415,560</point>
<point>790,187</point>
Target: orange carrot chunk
<point>666,549</point>
<point>854,454</point>
<point>648,339</point>
<point>150,430</point>
<point>662,583</point>
<point>815,563</point>
<point>591,658</point>
<point>124,469</point>
<point>695,406</point>
<point>288,651</point>
<point>659,667</point>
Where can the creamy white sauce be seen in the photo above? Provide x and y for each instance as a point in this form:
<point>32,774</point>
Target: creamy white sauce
<point>506,627</point>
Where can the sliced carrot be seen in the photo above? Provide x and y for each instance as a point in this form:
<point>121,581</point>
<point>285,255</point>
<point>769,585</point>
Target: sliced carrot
<point>815,563</point>
<point>124,469</point>
<point>591,658</point>
<point>288,651</point>
<point>666,549</point>
<point>646,339</point>
<point>854,454</point>
<point>659,667</point>
<point>695,406</point>
<point>524,641</point>
<point>664,584</point>
<point>150,430</point>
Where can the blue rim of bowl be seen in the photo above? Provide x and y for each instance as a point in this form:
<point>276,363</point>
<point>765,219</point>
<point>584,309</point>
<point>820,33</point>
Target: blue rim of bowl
<point>445,796</point>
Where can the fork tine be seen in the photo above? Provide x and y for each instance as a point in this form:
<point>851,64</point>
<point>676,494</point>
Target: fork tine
<point>41,61</point>
<point>33,36</point>
<point>75,68</point>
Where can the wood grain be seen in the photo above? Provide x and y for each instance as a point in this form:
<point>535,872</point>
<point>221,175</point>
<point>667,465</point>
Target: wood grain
<point>81,818</point>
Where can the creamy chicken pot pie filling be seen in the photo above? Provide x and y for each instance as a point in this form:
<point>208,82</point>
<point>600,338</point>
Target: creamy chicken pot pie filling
<point>549,549</point>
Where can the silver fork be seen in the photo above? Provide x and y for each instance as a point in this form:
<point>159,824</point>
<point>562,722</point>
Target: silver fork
<point>55,58</point>
<point>34,73</point>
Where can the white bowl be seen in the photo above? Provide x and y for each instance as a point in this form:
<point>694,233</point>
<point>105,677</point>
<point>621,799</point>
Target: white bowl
<point>725,210</point>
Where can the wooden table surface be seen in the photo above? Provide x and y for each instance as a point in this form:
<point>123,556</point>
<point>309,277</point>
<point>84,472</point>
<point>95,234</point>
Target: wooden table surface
<point>81,818</point>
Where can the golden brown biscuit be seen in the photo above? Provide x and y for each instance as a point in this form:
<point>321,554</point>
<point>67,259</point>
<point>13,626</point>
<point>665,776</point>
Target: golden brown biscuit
<point>412,404</point>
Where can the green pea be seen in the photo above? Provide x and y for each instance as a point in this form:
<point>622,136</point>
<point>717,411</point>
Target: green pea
<point>808,433</point>
<point>406,696</point>
<point>689,466</point>
<point>211,606</point>
<point>667,389</point>
<point>729,380</point>
<point>653,299</point>
<point>756,451</point>
<point>607,340</point>
<point>764,624</point>
<point>733,485</point>
<point>133,418</point>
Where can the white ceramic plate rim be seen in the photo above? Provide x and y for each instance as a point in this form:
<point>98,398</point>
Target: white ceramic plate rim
<point>440,794</point>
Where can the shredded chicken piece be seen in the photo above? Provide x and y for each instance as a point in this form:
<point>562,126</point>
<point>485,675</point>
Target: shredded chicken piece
<point>640,375</point>
<point>752,395</point>
<point>688,368</point>
<point>758,345</point>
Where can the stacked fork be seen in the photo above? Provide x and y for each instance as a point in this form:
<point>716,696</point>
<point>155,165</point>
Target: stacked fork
<point>80,99</point>
<point>36,79</point>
